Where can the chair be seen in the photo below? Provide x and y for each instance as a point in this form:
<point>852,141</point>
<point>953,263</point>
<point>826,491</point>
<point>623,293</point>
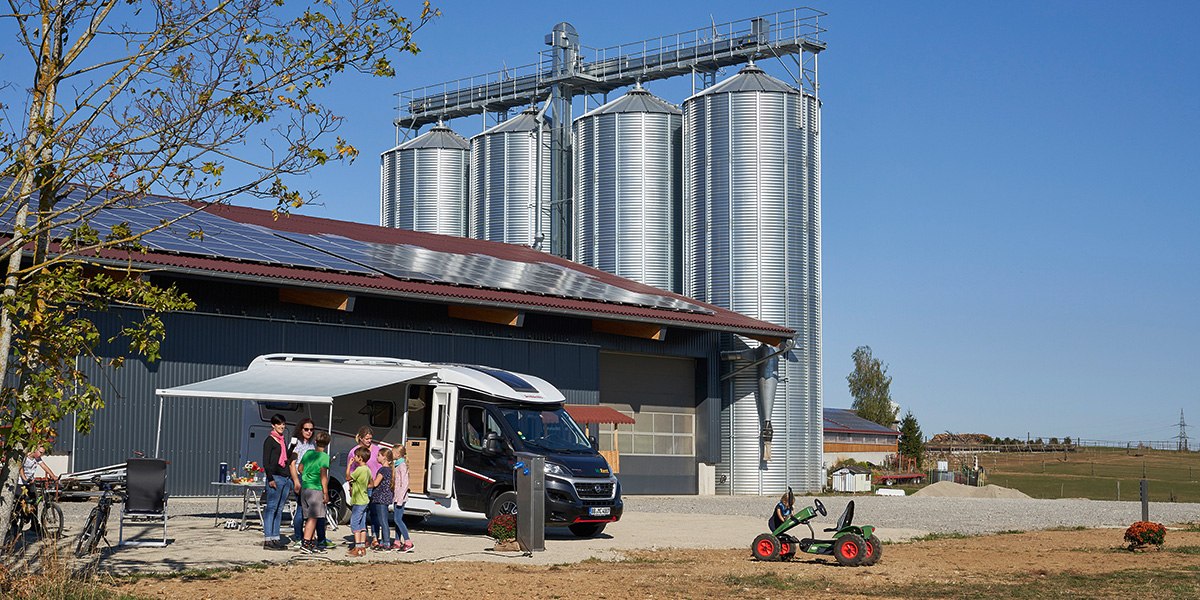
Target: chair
<point>146,498</point>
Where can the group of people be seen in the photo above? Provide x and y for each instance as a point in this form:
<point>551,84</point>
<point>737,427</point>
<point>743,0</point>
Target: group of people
<point>378,482</point>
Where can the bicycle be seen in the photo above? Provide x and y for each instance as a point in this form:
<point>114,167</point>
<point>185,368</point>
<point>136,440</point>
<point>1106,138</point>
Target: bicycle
<point>39,511</point>
<point>97,521</point>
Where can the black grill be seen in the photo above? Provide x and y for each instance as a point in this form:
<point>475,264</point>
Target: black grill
<point>594,490</point>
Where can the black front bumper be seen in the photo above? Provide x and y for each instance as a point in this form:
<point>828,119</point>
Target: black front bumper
<point>564,506</point>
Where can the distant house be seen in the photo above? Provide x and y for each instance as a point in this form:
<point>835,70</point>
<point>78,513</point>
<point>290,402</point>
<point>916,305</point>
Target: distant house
<point>848,435</point>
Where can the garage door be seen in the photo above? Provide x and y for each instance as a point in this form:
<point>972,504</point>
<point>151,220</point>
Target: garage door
<point>658,452</point>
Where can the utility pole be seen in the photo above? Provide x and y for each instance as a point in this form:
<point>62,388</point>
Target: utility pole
<point>1182,437</point>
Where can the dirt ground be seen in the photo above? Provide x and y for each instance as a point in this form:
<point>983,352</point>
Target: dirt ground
<point>1087,562</point>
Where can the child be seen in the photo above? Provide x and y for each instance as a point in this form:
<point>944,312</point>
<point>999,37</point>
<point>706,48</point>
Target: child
<point>360,477</point>
<point>400,497</point>
<point>381,499</point>
<point>314,491</point>
<point>783,510</point>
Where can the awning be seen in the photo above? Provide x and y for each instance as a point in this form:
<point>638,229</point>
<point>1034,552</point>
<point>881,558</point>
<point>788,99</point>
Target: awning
<point>306,383</point>
<point>586,414</point>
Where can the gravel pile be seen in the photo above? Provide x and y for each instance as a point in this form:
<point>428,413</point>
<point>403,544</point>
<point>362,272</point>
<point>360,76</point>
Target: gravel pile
<point>949,489</point>
<point>935,514</point>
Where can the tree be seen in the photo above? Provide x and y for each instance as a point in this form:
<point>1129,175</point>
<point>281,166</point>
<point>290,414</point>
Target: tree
<point>204,101</point>
<point>870,386</point>
<point>912,441</point>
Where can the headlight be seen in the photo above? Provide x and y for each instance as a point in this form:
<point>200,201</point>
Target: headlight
<point>557,469</point>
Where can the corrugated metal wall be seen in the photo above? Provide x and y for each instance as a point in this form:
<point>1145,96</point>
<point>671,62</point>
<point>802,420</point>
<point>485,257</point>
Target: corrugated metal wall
<point>198,434</point>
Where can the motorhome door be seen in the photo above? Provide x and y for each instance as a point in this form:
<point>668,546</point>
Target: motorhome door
<point>441,440</point>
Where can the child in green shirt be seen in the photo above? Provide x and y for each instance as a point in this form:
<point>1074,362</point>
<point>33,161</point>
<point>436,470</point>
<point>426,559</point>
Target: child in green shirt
<point>360,477</point>
<point>314,490</point>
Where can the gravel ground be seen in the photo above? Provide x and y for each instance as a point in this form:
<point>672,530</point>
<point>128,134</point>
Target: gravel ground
<point>941,515</point>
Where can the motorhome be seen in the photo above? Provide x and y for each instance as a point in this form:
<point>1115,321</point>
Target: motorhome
<point>462,426</point>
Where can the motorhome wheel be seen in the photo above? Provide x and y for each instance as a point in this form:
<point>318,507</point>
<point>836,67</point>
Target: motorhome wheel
<point>504,503</point>
<point>337,504</point>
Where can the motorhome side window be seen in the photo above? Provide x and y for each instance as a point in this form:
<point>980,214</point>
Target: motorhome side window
<point>380,414</point>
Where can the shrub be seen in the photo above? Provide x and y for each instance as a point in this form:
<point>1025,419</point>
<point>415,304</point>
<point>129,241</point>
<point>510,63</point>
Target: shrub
<point>503,528</point>
<point>1145,533</point>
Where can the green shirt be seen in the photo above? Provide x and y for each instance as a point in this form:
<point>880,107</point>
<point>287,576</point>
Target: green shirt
<point>359,479</point>
<point>310,469</point>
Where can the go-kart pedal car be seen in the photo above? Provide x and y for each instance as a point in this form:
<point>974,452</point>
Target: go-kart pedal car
<point>851,545</point>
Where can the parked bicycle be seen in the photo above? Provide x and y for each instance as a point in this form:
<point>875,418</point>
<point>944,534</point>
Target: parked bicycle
<point>38,511</point>
<point>97,521</point>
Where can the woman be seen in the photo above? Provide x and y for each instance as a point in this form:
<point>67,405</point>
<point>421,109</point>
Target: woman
<point>366,438</point>
<point>279,482</point>
<point>303,440</point>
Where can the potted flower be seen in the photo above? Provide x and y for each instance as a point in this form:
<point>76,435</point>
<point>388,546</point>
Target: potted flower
<point>503,529</point>
<point>1145,533</point>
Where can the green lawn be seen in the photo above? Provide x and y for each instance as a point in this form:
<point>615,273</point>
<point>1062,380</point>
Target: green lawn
<point>1095,473</point>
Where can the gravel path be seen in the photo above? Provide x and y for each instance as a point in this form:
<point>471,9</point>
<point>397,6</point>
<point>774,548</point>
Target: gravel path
<point>941,515</point>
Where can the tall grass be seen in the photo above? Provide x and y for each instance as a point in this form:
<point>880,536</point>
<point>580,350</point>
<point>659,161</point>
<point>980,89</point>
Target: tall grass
<point>46,571</point>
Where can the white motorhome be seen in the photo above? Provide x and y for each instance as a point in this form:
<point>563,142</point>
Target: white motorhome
<point>461,425</point>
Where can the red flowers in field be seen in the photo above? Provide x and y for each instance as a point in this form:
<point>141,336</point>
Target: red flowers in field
<point>1145,533</point>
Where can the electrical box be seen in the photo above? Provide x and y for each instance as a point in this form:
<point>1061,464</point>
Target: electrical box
<point>531,502</point>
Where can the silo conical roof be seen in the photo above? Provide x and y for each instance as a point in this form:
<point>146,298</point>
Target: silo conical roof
<point>749,79</point>
<point>526,121</point>
<point>440,136</point>
<point>636,100</point>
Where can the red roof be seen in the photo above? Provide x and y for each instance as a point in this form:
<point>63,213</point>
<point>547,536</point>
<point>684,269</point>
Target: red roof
<point>593,413</point>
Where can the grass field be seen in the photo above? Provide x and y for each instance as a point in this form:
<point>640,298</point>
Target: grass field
<point>1095,472</point>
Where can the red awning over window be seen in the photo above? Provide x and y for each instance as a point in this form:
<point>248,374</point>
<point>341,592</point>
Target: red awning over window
<point>586,414</point>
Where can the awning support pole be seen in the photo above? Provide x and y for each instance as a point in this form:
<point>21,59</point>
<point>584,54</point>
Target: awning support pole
<point>158,433</point>
<point>330,423</point>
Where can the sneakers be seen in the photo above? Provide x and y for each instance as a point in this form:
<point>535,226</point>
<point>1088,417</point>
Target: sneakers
<point>397,545</point>
<point>358,551</point>
<point>296,544</point>
<point>307,548</point>
<point>328,544</point>
<point>408,546</point>
<point>274,545</point>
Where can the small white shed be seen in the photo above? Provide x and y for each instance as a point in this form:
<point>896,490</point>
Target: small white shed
<point>851,479</point>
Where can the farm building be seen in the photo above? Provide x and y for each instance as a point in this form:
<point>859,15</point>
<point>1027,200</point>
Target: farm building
<point>848,435</point>
<point>851,479</point>
<point>316,286</point>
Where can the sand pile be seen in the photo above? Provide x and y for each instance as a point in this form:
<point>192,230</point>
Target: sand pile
<point>949,489</point>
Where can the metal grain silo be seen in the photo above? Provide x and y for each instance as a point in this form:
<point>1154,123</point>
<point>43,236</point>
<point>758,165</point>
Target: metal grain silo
<point>752,239</point>
<point>504,206</point>
<point>628,188</point>
<point>423,183</point>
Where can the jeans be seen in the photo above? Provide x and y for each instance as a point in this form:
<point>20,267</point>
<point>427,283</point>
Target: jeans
<point>298,524</point>
<point>358,517</point>
<point>398,519</point>
<point>383,533</point>
<point>273,511</point>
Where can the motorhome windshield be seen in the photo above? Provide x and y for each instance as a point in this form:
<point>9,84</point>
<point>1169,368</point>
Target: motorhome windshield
<point>551,430</point>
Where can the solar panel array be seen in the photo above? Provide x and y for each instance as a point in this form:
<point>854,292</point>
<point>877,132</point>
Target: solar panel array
<point>197,233</point>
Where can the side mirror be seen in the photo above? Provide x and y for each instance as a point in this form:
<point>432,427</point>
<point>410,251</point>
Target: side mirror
<point>595,444</point>
<point>491,444</point>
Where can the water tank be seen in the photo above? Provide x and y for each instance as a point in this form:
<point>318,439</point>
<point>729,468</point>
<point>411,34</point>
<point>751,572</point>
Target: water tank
<point>504,204</point>
<point>423,184</point>
<point>752,244</point>
<point>628,188</point>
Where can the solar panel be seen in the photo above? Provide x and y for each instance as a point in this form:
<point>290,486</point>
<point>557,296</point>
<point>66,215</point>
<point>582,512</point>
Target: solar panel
<point>487,272</point>
<point>192,232</point>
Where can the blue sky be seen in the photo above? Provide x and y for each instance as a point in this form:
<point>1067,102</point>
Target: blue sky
<point>1009,196</point>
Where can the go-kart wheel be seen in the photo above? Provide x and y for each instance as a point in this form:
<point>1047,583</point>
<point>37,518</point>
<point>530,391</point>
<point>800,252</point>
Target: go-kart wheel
<point>874,551</point>
<point>820,507</point>
<point>848,550</point>
<point>766,547</point>
<point>786,550</point>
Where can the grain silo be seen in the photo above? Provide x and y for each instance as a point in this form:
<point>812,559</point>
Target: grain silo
<point>509,198</point>
<point>628,188</point>
<point>423,183</point>
<point>752,239</point>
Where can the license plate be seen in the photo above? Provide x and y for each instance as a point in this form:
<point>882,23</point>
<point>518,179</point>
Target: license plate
<point>600,511</point>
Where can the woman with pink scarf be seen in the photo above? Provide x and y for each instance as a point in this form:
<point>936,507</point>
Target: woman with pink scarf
<point>279,483</point>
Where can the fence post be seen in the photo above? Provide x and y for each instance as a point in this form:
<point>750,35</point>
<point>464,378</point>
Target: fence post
<point>1145,485</point>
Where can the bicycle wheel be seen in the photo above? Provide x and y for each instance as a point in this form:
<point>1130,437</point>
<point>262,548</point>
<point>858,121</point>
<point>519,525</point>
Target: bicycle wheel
<point>52,521</point>
<point>90,534</point>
